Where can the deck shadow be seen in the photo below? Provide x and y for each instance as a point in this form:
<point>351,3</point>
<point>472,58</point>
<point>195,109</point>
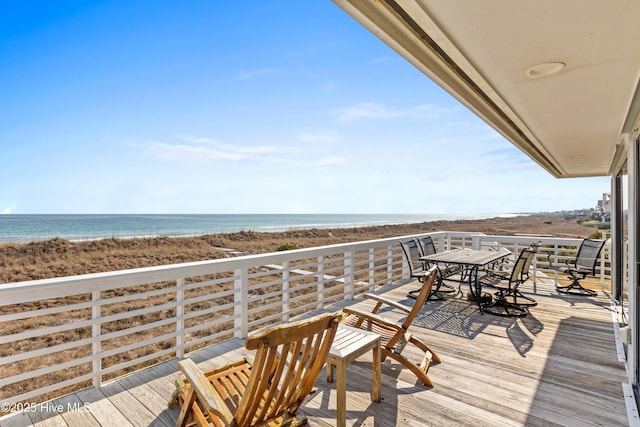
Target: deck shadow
<point>520,340</point>
<point>457,316</point>
<point>581,349</point>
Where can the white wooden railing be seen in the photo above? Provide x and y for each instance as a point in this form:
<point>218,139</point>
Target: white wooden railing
<point>72,332</point>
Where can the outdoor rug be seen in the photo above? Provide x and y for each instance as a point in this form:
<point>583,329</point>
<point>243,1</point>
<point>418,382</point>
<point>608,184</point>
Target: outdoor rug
<point>454,316</point>
<point>460,317</point>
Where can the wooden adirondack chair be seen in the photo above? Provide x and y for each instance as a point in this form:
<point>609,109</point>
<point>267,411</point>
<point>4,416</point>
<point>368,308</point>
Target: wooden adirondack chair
<point>395,336</point>
<point>267,392</point>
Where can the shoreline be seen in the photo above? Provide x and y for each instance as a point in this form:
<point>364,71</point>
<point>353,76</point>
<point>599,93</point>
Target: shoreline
<point>25,228</point>
<point>59,257</point>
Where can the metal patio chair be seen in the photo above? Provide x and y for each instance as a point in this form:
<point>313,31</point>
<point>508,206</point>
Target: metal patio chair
<point>524,276</point>
<point>505,301</point>
<point>429,248</point>
<point>418,269</point>
<point>582,266</point>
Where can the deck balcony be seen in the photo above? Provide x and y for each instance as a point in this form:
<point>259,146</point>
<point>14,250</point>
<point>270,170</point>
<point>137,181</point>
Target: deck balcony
<point>102,349</point>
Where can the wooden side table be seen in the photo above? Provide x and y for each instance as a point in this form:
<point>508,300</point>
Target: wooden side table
<point>349,344</point>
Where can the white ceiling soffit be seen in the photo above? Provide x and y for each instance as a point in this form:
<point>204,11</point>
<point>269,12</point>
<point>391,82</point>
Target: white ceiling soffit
<point>569,113</point>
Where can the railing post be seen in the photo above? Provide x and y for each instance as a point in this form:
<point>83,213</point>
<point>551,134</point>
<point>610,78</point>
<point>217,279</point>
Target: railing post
<point>516,251</point>
<point>96,344</point>
<point>180,318</point>
<point>285,291</point>
<point>372,267</point>
<point>557,260</point>
<point>534,265</point>
<point>320,282</point>
<point>241,299</point>
<point>348,275</point>
<point>603,266</point>
<point>389,264</point>
<point>475,242</point>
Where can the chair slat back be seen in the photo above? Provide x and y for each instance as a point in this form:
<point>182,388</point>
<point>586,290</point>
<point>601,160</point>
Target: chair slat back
<point>518,271</point>
<point>425,291</point>
<point>412,254</point>
<point>588,255</point>
<point>533,249</point>
<point>288,361</point>
<point>427,245</point>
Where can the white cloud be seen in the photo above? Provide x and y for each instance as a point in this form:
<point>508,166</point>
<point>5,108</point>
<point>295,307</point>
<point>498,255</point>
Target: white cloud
<point>197,139</point>
<point>190,152</point>
<point>328,136</point>
<point>6,211</point>
<point>331,161</point>
<point>239,149</point>
<point>373,110</point>
<point>250,74</point>
<point>194,148</point>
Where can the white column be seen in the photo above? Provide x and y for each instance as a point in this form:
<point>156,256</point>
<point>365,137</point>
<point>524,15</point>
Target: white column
<point>633,260</point>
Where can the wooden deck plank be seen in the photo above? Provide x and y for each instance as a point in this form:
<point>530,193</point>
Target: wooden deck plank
<point>49,416</point>
<point>128,402</point>
<point>154,402</point>
<point>17,419</point>
<point>102,409</point>
<point>75,413</point>
<point>556,366</point>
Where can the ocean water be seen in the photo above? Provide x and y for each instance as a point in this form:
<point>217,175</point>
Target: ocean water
<point>26,228</point>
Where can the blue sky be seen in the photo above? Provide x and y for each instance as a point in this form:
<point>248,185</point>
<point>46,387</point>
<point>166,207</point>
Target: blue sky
<point>240,107</point>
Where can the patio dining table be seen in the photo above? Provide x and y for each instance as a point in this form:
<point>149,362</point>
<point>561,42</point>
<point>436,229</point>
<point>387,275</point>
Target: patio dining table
<point>473,262</point>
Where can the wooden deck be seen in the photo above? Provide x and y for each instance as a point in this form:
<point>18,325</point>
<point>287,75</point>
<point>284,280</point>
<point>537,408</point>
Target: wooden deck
<point>556,366</point>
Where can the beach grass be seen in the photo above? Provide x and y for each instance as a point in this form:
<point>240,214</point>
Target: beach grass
<point>59,257</point>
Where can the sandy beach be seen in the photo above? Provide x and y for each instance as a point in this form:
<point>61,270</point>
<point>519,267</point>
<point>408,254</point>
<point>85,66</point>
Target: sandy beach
<point>59,257</point>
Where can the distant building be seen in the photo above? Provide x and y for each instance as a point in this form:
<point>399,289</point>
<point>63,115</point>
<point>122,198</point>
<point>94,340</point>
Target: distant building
<point>603,208</point>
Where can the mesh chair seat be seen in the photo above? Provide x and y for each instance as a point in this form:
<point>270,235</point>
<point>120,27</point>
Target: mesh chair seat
<point>505,302</point>
<point>582,266</point>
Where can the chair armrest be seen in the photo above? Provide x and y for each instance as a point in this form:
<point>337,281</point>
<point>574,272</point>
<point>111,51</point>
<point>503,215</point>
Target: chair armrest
<point>207,395</point>
<point>503,274</point>
<point>570,264</point>
<point>372,317</point>
<point>387,301</point>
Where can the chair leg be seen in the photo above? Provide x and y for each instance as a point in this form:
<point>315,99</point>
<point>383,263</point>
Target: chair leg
<point>448,289</point>
<point>436,293</point>
<point>519,296</point>
<point>575,288</point>
<point>422,376</point>
<point>187,407</point>
<point>295,421</point>
<point>430,355</point>
<point>501,307</point>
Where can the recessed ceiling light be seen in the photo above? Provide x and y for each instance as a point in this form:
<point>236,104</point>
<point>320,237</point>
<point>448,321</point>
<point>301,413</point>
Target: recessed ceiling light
<point>546,69</point>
